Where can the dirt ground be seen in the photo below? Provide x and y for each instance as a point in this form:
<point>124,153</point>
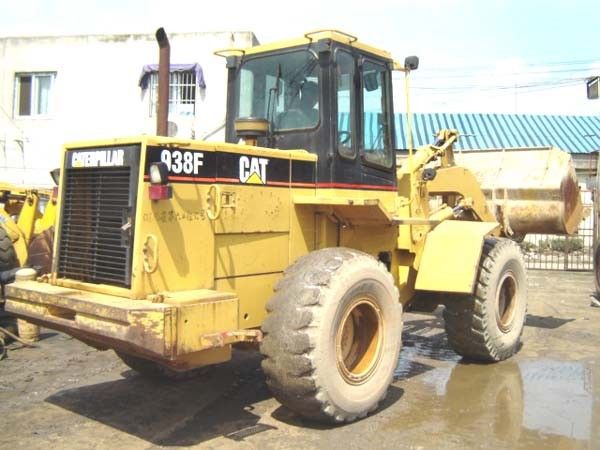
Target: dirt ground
<point>65,395</point>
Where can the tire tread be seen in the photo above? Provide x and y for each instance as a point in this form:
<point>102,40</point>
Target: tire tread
<point>466,316</point>
<point>8,256</point>
<point>294,316</point>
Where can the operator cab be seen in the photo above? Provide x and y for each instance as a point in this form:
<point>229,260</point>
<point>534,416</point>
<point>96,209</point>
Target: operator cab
<point>325,93</point>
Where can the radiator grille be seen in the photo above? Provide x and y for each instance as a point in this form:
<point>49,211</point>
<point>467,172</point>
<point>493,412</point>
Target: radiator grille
<point>93,247</point>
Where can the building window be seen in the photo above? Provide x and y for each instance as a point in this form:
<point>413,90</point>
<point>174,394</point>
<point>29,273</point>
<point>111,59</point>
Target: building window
<point>182,93</point>
<point>33,93</point>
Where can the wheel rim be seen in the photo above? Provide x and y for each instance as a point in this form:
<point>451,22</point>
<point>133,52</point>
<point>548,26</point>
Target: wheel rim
<point>506,301</point>
<point>359,340</point>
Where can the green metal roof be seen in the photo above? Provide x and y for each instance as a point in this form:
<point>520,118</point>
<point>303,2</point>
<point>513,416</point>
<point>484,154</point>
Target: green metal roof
<point>575,134</point>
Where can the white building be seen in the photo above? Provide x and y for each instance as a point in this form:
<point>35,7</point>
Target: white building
<point>59,89</point>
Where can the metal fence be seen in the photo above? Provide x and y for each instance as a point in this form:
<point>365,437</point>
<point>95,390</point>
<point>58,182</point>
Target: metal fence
<point>553,252</point>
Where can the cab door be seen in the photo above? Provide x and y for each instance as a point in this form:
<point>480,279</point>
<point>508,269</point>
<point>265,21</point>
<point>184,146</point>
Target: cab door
<point>376,124</point>
<point>346,163</point>
<point>363,120</point>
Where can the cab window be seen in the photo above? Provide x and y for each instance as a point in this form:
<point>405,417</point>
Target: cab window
<point>345,118</point>
<point>375,128</point>
<point>282,88</point>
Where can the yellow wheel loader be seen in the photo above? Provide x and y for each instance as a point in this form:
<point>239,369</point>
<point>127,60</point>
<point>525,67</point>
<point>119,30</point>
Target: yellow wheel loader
<point>299,233</point>
<point>27,216</point>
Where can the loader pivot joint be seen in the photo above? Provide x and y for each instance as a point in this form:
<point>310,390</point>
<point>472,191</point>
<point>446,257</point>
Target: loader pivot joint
<point>428,174</point>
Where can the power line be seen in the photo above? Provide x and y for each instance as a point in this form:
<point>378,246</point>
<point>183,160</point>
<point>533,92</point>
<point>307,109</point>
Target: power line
<point>427,75</point>
<point>510,86</point>
<point>458,67</point>
<point>498,92</point>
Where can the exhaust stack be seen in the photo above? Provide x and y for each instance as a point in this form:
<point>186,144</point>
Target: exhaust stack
<point>164,65</point>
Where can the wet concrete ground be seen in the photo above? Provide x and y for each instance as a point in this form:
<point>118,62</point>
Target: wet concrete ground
<point>66,395</point>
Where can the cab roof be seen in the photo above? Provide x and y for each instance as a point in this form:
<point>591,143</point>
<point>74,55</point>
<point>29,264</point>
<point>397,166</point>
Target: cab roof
<point>314,36</point>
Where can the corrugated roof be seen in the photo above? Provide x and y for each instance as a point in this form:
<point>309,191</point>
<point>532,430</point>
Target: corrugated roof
<point>575,134</point>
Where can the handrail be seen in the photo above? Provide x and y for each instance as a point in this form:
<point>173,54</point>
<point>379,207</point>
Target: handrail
<point>224,52</point>
<point>351,38</point>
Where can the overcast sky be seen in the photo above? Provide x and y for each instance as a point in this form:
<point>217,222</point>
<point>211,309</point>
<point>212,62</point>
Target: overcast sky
<point>476,56</point>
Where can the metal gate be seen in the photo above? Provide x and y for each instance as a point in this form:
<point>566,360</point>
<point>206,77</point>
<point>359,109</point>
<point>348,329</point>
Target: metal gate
<point>554,252</point>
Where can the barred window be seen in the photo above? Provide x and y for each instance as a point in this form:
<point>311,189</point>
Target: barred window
<point>182,93</point>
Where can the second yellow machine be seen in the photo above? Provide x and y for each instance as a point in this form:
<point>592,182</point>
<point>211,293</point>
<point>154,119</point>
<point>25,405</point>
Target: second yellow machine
<point>299,233</point>
<point>27,216</point>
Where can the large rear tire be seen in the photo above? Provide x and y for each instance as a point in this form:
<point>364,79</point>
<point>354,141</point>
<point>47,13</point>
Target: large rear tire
<point>8,256</point>
<point>333,335</point>
<point>488,325</point>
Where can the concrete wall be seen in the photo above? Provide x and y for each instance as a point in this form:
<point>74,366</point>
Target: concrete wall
<point>96,94</point>
<point>586,165</point>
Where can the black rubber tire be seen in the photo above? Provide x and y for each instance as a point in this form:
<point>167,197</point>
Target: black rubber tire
<point>304,327</point>
<point>478,326</point>
<point>149,368</point>
<point>8,256</point>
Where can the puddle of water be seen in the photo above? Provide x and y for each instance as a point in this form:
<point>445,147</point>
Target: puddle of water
<point>559,398</point>
<point>529,404</point>
<point>418,350</point>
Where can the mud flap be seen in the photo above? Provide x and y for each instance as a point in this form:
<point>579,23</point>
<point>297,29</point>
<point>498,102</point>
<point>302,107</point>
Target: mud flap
<point>451,256</point>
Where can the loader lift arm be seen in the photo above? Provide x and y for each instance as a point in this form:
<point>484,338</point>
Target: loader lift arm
<point>460,189</point>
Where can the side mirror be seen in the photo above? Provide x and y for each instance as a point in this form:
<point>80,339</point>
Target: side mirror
<point>592,88</point>
<point>411,62</point>
<point>55,174</point>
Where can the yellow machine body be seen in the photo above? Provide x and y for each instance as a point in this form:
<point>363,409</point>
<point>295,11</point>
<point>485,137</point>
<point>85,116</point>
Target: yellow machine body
<point>206,253</point>
<point>205,261</point>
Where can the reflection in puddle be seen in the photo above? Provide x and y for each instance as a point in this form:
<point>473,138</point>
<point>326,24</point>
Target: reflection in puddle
<point>417,349</point>
<point>558,398</point>
<point>528,404</point>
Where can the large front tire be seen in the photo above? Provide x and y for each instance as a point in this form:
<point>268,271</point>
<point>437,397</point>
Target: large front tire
<point>487,326</point>
<point>333,335</point>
